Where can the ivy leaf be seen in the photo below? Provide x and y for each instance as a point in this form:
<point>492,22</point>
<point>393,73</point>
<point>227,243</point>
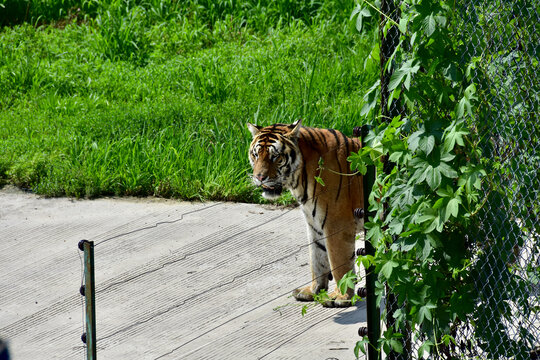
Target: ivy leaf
<point>426,250</point>
<point>438,204</point>
<point>425,348</point>
<point>454,135</point>
<point>414,140</point>
<point>465,102</point>
<point>426,144</point>
<point>403,21</point>
<point>405,71</point>
<point>445,192</point>
<point>360,166</point>
<point>433,177</point>
<point>375,235</point>
<point>320,180</point>
<point>446,156</point>
<point>429,25</point>
<point>362,12</point>
<point>396,156</point>
<point>471,178</point>
<point>452,208</point>
<point>408,244</point>
<point>425,312</point>
<point>395,227</point>
<point>348,281</point>
<point>387,268</point>
<point>431,226</point>
<point>377,149</point>
<point>425,218</point>
<point>366,261</point>
<point>396,345</point>
<point>447,339</point>
<point>360,160</point>
<point>406,195</point>
<point>447,171</point>
<point>370,98</point>
<point>358,9</point>
<point>361,345</point>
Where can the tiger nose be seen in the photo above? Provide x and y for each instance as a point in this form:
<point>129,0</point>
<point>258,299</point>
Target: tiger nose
<point>261,177</point>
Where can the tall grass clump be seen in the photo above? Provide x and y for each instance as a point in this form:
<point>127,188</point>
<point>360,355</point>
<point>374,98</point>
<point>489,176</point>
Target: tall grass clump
<point>152,97</point>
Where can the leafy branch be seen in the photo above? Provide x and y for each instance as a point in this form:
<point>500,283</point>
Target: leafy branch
<point>426,228</point>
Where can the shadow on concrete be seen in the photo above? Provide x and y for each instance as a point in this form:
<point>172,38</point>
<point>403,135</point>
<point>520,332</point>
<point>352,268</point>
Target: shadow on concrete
<point>354,315</point>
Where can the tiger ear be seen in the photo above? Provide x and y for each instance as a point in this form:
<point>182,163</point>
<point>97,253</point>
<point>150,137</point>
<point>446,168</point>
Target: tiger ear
<point>295,129</point>
<point>254,129</point>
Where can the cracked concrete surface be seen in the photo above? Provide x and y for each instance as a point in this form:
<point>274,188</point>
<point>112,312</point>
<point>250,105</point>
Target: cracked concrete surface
<point>174,280</point>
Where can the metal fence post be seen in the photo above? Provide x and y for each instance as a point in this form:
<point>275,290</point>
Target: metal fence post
<point>89,292</point>
<point>372,308</point>
<point>373,313</point>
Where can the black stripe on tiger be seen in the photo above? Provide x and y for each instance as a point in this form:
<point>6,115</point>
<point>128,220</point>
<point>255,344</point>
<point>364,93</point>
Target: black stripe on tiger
<point>292,157</point>
<point>325,217</point>
<point>318,232</point>
<point>338,144</point>
<point>304,184</point>
<point>322,138</point>
<point>310,133</point>
<point>320,246</point>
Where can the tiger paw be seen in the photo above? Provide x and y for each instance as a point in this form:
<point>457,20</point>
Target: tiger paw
<point>336,299</point>
<point>303,294</point>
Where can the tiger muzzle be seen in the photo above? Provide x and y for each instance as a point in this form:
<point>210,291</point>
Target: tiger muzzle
<point>274,190</point>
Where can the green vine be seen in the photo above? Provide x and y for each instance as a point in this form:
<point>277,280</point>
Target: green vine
<point>429,204</point>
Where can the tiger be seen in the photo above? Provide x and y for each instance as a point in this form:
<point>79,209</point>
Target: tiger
<point>312,164</point>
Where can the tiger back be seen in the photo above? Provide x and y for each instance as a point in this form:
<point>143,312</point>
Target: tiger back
<point>290,156</point>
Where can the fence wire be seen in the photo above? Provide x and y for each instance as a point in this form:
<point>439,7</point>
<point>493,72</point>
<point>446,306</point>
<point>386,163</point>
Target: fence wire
<point>390,11</point>
<point>503,39</point>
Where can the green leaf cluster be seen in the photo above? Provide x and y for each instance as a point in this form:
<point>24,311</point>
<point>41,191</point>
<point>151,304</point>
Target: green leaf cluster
<point>437,184</point>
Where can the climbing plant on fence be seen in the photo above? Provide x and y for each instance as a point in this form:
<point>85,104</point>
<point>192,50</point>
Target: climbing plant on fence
<point>445,186</point>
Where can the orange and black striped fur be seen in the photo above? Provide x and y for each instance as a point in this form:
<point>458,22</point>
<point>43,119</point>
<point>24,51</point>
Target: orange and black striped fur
<point>287,157</point>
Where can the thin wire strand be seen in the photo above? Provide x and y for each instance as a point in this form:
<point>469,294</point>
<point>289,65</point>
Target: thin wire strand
<point>322,191</point>
<point>249,272</point>
<point>236,277</point>
<point>246,312</point>
<point>157,224</point>
<point>189,254</point>
<point>301,332</point>
<point>217,244</point>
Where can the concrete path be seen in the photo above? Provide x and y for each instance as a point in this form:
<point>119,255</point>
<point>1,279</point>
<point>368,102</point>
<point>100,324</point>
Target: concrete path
<point>175,280</point>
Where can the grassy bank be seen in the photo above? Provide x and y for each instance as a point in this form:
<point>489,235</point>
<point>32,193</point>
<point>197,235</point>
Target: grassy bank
<point>132,98</point>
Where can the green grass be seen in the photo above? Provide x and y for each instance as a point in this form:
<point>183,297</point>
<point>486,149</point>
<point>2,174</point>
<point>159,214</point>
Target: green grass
<point>139,98</point>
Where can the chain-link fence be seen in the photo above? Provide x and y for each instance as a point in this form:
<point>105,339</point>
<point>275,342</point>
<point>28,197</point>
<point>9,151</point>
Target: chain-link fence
<point>504,37</point>
<point>500,41</point>
<point>389,40</point>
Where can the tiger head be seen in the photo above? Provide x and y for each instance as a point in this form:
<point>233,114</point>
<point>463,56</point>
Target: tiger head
<point>274,156</point>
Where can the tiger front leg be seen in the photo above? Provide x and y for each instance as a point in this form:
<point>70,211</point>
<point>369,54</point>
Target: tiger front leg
<point>320,270</point>
<point>341,255</point>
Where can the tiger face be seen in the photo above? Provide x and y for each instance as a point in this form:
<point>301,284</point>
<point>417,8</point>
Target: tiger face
<point>273,157</point>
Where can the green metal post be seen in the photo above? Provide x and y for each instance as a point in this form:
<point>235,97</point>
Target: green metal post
<point>90,296</point>
<point>373,311</point>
